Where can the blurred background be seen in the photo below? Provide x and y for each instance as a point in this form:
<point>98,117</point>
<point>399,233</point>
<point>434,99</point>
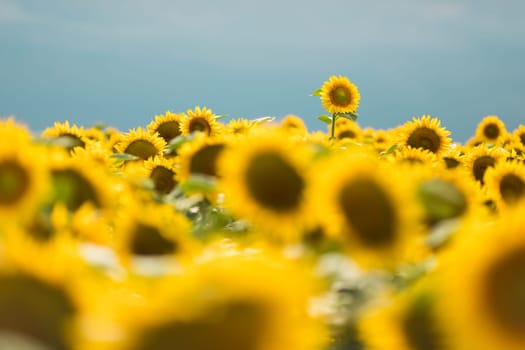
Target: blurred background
<point>123,62</point>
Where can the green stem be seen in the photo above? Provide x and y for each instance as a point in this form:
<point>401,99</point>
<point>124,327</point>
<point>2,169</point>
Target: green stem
<point>332,133</point>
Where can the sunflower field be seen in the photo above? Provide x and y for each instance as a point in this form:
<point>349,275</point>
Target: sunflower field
<point>193,233</point>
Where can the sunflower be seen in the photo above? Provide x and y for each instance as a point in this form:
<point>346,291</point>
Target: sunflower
<point>141,143</point>
<point>480,158</point>
<point>415,156</point>
<point>237,302</point>
<point>151,230</point>
<point>264,183</point>
<point>162,172</point>
<point>409,322</point>
<point>490,260</point>
<point>200,120</point>
<point>339,95</point>
<point>374,214</point>
<point>241,126</point>
<point>200,156</point>
<point>349,130</point>
<point>490,130</point>
<point>519,132</point>
<point>426,133</point>
<point>72,136</point>
<point>166,125</point>
<point>505,183</point>
<point>293,124</point>
<point>454,158</point>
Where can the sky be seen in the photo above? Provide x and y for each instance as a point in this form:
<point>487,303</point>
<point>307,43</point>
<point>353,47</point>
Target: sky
<point>123,62</point>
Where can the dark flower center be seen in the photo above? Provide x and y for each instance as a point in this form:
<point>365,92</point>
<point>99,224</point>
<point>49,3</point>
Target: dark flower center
<point>511,188</point>
<point>169,130</point>
<point>73,189</point>
<point>491,131</point>
<point>340,96</point>
<point>200,124</point>
<point>419,326</point>
<point>14,182</point>
<point>204,161</point>
<point>163,179</point>
<point>369,212</point>
<point>481,165</point>
<point>147,240</point>
<point>274,183</point>
<point>424,138</point>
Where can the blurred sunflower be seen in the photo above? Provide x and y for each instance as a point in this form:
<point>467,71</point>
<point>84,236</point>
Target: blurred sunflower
<point>293,124</point>
<point>241,126</point>
<point>454,157</point>
<point>349,130</point>
<point>234,302</point>
<point>408,323</point>
<point>415,156</point>
<point>505,183</point>
<point>426,133</point>
<point>519,132</point>
<point>490,130</point>
<point>339,95</point>
<point>166,125</point>
<point>162,172</point>
<point>71,136</point>
<point>200,156</point>
<point>480,158</point>
<point>141,143</point>
<point>264,183</point>
<point>200,120</point>
<point>490,260</point>
<point>376,215</point>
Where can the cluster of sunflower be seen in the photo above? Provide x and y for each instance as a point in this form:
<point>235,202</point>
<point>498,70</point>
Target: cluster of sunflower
<point>193,233</point>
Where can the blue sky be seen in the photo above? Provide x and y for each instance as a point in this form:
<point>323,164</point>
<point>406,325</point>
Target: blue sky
<point>123,62</point>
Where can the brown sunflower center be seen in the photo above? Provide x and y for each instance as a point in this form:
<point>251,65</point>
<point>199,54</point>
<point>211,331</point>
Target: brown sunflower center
<point>511,188</point>
<point>237,325</point>
<point>70,141</point>
<point>491,131</point>
<point>369,212</point>
<point>14,182</point>
<point>169,130</point>
<point>142,149</point>
<point>505,291</point>
<point>522,138</point>
<point>341,96</point>
<point>419,326</point>
<point>346,134</point>
<point>199,124</point>
<point>147,240</point>
<point>73,189</point>
<point>451,163</point>
<point>36,310</point>
<point>204,161</point>
<point>274,183</point>
<point>481,165</point>
<point>163,179</point>
<point>425,138</point>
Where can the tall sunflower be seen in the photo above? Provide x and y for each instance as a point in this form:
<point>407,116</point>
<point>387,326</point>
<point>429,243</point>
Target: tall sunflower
<point>340,95</point>
<point>200,120</point>
<point>141,143</point>
<point>166,125</point>
<point>426,133</point>
<point>375,215</point>
<point>236,302</point>
<point>264,182</point>
<point>490,260</point>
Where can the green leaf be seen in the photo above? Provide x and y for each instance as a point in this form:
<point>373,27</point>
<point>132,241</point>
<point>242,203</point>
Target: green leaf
<point>317,92</point>
<point>177,142</point>
<point>441,200</point>
<point>325,118</point>
<point>263,120</point>
<point>441,232</point>
<point>123,156</point>
<point>348,115</point>
<point>390,149</point>
<point>199,183</point>
<point>219,117</point>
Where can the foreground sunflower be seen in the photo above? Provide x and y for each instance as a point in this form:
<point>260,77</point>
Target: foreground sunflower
<point>235,303</point>
<point>490,260</point>
<point>374,215</point>
<point>263,181</point>
<point>426,133</point>
<point>340,95</point>
<point>200,120</point>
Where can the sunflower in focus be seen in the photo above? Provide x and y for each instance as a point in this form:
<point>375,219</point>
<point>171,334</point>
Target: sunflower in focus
<point>409,322</point>
<point>236,303</point>
<point>505,183</point>
<point>141,143</point>
<point>263,181</point>
<point>340,95</point>
<point>374,214</point>
<point>490,260</point>
<point>166,125</point>
<point>200,120</point>
<point>71,135</point>
<point>490,130</point>
<point>426,133</point>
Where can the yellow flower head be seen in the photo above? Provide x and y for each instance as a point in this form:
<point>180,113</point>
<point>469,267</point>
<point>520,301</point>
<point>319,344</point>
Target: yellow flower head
<point>73,136</point>
<point>339,95</point>
<point>141,143</point>
<point>490,130</point>
<point>426,133</point>
<point>241,126</point>
<point>200,120</point>
<point>162,172</point>
<point>166,125</point>
<point>505,183</point>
